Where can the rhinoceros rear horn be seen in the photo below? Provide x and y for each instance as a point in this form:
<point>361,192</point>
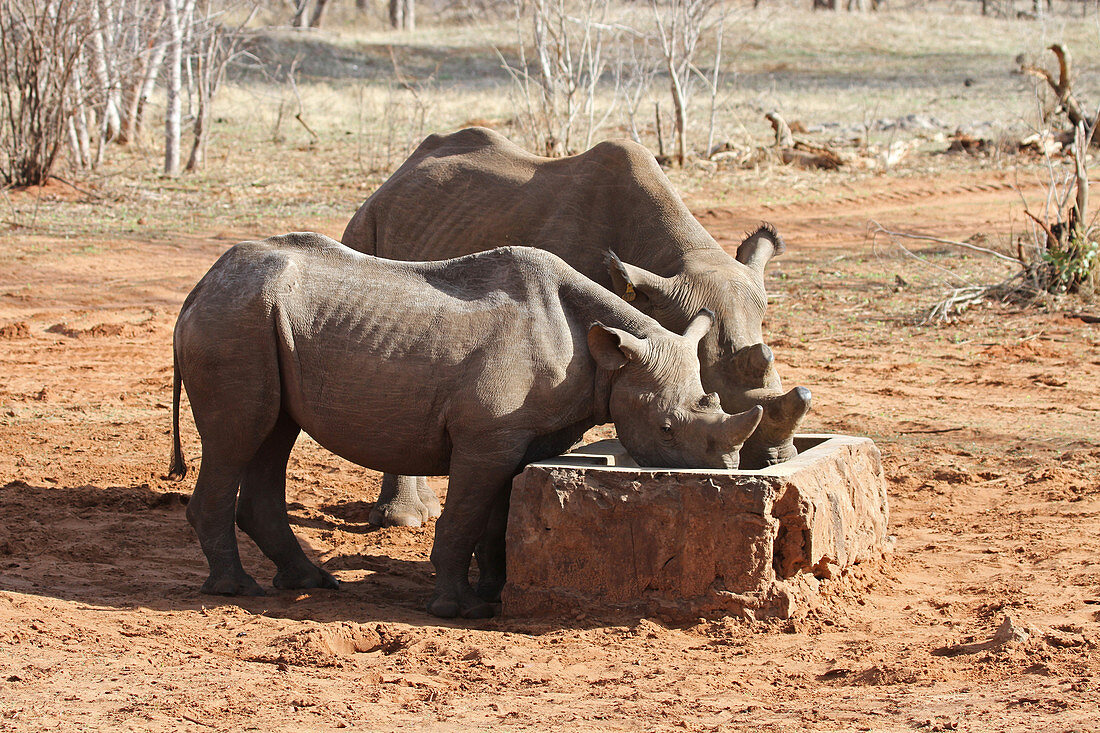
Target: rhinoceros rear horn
<point>756,360</point>
<point>735,429</point>
<point>760,246</point>
<point>634,284</point>
<point>699,325</point>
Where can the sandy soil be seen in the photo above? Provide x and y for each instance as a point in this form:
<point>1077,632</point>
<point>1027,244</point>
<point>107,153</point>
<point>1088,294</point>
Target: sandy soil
<point>987,427</point>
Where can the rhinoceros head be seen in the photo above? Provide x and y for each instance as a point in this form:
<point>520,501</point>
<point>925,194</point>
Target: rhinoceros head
<point>662,416</point>
<point>735,362</point>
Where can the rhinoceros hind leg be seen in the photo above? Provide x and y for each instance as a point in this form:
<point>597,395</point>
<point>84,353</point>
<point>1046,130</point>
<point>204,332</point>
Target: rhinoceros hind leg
<point>261,511</point>
<point>400,503</point>
<point>210,512</point>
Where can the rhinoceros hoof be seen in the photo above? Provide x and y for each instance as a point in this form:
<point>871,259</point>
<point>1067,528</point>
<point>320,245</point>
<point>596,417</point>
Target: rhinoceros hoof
<point>389,516</point>
<point>300,579</point>
<point>452,607</point>
<point>232,585</point>
<point>489,590</point>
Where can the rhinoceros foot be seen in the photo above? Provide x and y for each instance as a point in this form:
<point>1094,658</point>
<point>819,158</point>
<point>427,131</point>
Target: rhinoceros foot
<point>390,516</point>
<point>405,501</point>
<point>466,605</point>
<point>305,577</point>
<point>489,589</point>
<point>241,584</point>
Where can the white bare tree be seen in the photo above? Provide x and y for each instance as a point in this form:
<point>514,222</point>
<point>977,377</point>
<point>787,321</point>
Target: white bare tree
<point>41,43</point>
<point>179,15</point>
<point>558,96</point>
<point>681,25</point>
<point>214,46</point>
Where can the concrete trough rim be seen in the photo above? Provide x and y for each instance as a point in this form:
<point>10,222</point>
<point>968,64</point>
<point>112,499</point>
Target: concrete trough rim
<point>822,445</point>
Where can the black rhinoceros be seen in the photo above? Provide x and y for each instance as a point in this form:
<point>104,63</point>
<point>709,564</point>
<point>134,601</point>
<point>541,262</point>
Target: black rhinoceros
<point>474,190</point>
<point>471,367</point>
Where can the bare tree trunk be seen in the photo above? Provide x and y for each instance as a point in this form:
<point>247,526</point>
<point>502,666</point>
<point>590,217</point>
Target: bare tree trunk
<point>1062,87</point>
<point>403,15</point>
<point>549,79</point>
<point>660,136</point>
<point>681,115</point>
<point>714,88</point>
<point>1081,207</point>
<point>102,68</point>
<point>214,47</point>
<point>299,19</point>
<point>318,11</point>
<point>177,11</point>
<point>143,78</point>
<point>80,116</point>
<point>199,128</point>
<point>74,145</point>
<point>679,41</point>
<point>150,81</point>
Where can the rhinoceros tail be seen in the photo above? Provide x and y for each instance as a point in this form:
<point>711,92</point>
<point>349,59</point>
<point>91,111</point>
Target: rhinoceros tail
<point>178,469</point>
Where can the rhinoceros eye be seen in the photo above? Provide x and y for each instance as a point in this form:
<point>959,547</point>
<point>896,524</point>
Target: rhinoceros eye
<point>667,429</point>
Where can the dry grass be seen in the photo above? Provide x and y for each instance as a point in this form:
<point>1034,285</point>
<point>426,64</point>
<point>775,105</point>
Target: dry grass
<point>268,173</point>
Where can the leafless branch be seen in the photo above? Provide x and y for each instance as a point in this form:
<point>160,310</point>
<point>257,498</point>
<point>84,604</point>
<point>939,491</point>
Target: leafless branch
<point>878,228</point>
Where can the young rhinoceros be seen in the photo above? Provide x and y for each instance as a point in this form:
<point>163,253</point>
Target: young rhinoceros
<point>471,367</point>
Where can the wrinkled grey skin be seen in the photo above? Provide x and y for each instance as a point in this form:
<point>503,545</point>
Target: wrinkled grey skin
<point>471,367</point>
<point>474,190</point>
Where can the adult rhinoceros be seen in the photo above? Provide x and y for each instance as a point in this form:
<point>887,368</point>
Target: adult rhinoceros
<point>474,367</point>
<point>474,190</point>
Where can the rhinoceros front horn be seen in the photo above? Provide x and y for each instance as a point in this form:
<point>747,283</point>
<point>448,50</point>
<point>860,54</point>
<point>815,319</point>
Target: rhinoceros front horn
<point>736,429</point>
<point>783,414</point>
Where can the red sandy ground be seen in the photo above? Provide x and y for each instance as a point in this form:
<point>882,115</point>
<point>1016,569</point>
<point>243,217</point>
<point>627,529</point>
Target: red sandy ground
<point>988,431</point>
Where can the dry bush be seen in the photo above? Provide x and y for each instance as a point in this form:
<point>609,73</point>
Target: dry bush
<point>556,90</point>
<point>40,50</point>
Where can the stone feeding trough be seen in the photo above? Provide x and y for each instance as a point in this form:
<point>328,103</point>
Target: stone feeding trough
<point>590,531</point>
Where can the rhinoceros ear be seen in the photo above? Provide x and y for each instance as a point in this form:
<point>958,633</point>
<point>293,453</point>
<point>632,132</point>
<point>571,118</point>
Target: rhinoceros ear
<point>612,348</point>
<point>760,246</point>
<point>636,285</point>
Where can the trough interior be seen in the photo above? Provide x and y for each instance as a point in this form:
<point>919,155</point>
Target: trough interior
<point>610,453</point>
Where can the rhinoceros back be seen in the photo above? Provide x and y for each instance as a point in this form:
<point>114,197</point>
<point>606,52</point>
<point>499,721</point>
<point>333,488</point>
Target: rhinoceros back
<point>475,190</point>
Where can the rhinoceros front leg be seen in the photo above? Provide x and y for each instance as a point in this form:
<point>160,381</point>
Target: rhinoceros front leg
<point>490,551</point>
<point>473,487</point>
<point>404,501</point>
<point>261,511</point>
